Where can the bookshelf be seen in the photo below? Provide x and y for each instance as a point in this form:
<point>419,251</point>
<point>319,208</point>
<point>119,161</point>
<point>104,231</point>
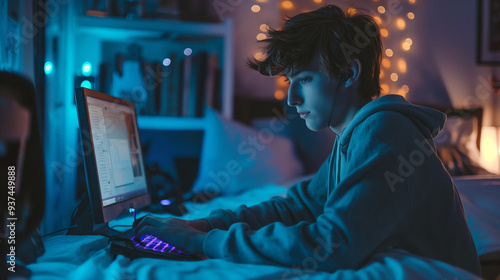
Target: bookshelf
<point>73,38</point>
<point>211,37</point>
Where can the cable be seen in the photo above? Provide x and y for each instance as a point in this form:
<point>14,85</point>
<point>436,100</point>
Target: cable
<point>342,80</point>
<point>130,226</point>
<point>58,231</point>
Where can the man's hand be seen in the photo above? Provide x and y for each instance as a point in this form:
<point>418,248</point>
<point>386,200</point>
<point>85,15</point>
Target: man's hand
<point>201,225</point>
<point>187,236</point>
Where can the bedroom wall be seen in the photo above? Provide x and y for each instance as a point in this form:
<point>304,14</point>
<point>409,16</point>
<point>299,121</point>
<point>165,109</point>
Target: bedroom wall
<point>250,83</point>
<point>443,68</point>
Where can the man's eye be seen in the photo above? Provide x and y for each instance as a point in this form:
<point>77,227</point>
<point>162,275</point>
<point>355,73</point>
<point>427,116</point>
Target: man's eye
<point>304,80</point>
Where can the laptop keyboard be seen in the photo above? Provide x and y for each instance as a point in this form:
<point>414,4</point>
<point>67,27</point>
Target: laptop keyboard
<point>151,242</point>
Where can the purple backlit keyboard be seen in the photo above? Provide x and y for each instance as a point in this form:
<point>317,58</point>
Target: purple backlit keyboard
<point>151,242</point>
<point>147,246</point>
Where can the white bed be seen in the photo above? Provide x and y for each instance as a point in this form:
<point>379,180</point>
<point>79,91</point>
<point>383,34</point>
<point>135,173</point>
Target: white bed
<point>87,257</point>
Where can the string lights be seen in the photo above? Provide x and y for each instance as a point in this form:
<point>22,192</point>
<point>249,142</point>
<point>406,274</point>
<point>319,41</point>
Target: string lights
<point>392,26</point>
<point>394,59</point>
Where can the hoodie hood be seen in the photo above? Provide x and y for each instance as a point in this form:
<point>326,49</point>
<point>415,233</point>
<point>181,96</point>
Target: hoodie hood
<point>429,121</point>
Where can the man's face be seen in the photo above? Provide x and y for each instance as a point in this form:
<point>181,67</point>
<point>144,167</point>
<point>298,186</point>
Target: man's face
<point>312,93</point>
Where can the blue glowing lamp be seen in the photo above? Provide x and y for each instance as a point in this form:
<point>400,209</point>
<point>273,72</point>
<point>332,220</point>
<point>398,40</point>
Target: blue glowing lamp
<point>86,84</point>
<point>86,68</point>
<point>165,202</point>
<point>188,51</point>
<point>48,67</point>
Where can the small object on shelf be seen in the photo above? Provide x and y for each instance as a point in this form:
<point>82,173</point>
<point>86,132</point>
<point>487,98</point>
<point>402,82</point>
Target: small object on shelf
<point>128,82</point>
<point>133,9</point>
<point>97,8</point>
<point>165,9</point>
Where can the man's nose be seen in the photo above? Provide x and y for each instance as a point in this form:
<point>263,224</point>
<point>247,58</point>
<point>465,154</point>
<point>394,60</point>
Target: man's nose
<point>294,99</point>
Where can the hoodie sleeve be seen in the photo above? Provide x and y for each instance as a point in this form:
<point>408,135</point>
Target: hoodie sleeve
<point>304,202</point>
<point>361,215</point>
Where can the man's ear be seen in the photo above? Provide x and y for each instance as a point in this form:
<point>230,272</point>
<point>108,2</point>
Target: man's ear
<point>354,70</point>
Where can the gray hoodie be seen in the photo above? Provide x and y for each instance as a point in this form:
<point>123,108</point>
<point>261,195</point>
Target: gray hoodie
<point>382,186</point>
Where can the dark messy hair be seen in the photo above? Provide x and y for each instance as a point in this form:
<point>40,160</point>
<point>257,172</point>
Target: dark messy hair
<point>332,36</point>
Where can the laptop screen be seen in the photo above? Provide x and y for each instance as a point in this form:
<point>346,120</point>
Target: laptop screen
<point>118,157</point>
<point>116,179</point>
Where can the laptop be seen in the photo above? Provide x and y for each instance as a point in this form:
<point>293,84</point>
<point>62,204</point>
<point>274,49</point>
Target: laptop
<point>115,173</point>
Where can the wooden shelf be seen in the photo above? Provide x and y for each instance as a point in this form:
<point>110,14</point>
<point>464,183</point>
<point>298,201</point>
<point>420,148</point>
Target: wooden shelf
<point>122,28</point>
<point>170,123</point>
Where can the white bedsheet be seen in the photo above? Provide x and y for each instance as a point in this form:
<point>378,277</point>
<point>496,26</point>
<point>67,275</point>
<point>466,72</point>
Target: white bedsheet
<point>87,257</point>
<point>77,257</point>
<point>481,200</point>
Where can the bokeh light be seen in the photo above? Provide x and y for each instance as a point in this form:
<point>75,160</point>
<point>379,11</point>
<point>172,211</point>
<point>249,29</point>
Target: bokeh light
<point>86,84</point>
<point>386,63</point>
<point>287,5</point>
<point>384,88</point>
<point>406,46</point>
<point>400,24</point>
<point>188,51</point>
<point>48,67</point>
<point>384,32</point>
<point>259,56</point>
<point>261,36</point>
<point>402,65</point>
<point>87,68</point>
<point>279,94</point>
<point>394,77</point>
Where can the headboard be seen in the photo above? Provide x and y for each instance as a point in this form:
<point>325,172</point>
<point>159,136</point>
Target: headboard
<point>476,113</point>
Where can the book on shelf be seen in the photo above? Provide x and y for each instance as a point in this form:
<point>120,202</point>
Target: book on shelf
<point>185,83</point>
<point>172,96</point>
<point>197,100</point>
<point>210,80</point>
<point>200,87</point>
<point>149,69</point>
<point>217,97</point>
<point>157,86</point>
<point>183,88</point>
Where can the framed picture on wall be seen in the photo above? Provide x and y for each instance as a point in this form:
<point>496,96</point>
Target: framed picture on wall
<point>488,32</point>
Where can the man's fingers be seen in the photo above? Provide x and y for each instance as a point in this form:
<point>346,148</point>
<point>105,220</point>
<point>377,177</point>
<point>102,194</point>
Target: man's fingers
<point>153,221</point>
<point>147,230</point>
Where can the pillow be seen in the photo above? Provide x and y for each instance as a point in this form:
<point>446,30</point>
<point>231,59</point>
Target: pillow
<point>236,158</point>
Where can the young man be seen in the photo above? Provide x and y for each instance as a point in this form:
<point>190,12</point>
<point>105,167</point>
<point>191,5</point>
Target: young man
<point>382,186</point>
